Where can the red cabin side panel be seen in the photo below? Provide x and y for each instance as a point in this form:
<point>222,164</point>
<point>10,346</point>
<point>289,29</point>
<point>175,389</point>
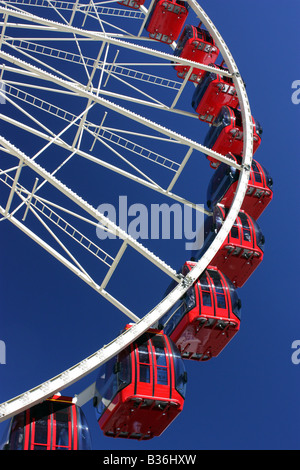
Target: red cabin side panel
<point>218,94</point>
<point>239,255</point>
<point>137,417</point>
<point>231,140</point>
<point>256,199</point>
<point>201,340</point>
<point>199,51</point>
<point>144,408</point>
<point>166,21</point>
<point>206,329</point>
<point>255,205</point>
<point>237,267</point>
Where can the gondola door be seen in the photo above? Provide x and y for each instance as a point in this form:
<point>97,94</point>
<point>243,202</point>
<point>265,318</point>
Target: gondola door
<point>162,368</point>
<point>51,428</point>
<point>153,369</point>
<point>144,383</point>
<point>37,432</point>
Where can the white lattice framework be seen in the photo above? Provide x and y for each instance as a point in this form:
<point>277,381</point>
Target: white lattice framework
<point>27,75</point>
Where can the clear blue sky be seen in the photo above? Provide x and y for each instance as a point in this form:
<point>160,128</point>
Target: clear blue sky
<point>248,397</point>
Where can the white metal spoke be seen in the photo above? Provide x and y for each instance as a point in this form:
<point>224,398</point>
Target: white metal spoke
<point>43,208</point>
<point>114,68</point>
<point>76,263</point>
<point>72,268</point>
<point>107,38</point>
<point>13,189</point>
<point>107,68</point>
<point>130,176</point>
<point>88,208</point>
<point>121,110</point>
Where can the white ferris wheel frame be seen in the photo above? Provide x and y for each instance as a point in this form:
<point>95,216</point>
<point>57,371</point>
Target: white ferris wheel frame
<point>91,363</point>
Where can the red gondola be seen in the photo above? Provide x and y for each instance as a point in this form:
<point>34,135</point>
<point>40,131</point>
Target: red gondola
<point>141,391</point>
<point>166,20</point>
<point>203,322</point>
<point>198,45</point>
<point>213,92</point>
<point>223,184</point>
<point>132,3</point>
<point>243,249</point>
<point>55,424</point>
<point>226,134</point>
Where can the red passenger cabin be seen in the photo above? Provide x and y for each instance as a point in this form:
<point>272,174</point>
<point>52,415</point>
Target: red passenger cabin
<point>241,252</point>
<point>226,134</point>
<point>223,185</point>
<point>55,424</point>
<point>213,92</point>
<point>135,4</point>
<point>198,45</point>
<point>142,390</point>
<point>205,320</point>
<point>166,20</point>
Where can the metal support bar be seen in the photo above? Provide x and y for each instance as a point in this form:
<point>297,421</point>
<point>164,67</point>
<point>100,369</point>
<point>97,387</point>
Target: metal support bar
<point>98,131</point>
<point>110,68</point>
<point>181,88</point>
<point>184,162</point>
<point>30,199</point>
<point>85,396</point>
<point>114,265</point>
<point>11,195</point>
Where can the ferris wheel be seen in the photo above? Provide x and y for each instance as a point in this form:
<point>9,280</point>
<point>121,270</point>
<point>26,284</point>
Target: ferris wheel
<point>91,95</point>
